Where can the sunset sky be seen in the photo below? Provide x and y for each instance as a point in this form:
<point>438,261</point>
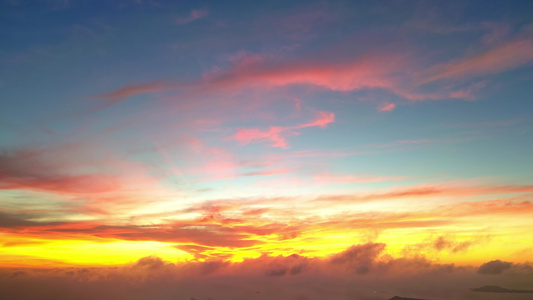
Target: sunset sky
<point>182,134</point>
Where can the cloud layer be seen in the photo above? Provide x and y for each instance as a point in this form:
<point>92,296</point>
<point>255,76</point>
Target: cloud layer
<point>361,271</point>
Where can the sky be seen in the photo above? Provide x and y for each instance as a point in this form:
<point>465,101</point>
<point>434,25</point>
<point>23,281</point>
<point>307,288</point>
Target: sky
<point>295,147</point>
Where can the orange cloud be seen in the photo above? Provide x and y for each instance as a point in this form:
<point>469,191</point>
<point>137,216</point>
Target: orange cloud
<point>431,190</point>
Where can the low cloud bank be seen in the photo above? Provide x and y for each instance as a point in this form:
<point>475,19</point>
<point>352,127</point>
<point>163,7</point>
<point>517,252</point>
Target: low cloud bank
<point>360,272</point>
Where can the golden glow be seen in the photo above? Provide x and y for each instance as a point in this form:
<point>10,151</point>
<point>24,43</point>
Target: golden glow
<point>234,231</point>
<point>17,251</point>
<point>102,252</point>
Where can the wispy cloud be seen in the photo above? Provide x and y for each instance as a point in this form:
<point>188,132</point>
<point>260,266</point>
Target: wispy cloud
<point>135,89</point>
<point>509,55</point>
<point>20,170</point>
<point>277,135</point>
<point>242,223</point>
<point>367,71</point>
<point>387,107</point>
<point>387,72</point>
<point>193,16</point>
<point>441,190</point>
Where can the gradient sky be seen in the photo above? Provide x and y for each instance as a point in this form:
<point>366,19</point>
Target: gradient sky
<point>200,131</point>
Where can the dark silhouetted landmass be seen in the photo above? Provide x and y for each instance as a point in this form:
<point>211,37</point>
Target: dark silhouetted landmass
<point>403,298</point>
<point>499,289</point>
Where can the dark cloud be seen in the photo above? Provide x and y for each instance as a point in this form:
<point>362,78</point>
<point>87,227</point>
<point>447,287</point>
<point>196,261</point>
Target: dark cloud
<point>23,220</point>
<point>360,272</point>
<point>8,220</point>
<point>445,243</point>
<point>494,267</point>
<point>210,267</point>
<point>199,252</point>
<point>276,272</point>
<point>17,274</point>
<point>522,268</point>
<point>295,270</point>
<point>360,257</point>
<point>150,263</point>
<point>30,170</point>
<point>204,236</point>
<point>413,265</point>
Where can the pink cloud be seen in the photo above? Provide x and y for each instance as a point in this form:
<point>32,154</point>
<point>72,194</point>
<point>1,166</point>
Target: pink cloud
<point>387,107</point>
<point>194,15</point>
<point>255,71</point>
<point>251,71</point>
<point>298,104</point>
<point>470,92</point>
<point>322,120</point>
<point>273,134</point>
<point>135,89</point>
<point>358,73</point>
<point>506,56</point>
<point>66,173</point>
<point>394,73</point>
<point>365,72</point>
<point>130,90</point>
<point>496,32</point>
<point>277,135</point>
<point>218,163</point>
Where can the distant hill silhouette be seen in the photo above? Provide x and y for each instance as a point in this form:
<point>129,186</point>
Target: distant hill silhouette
<point>403,298</point>
<point>499,289</point>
